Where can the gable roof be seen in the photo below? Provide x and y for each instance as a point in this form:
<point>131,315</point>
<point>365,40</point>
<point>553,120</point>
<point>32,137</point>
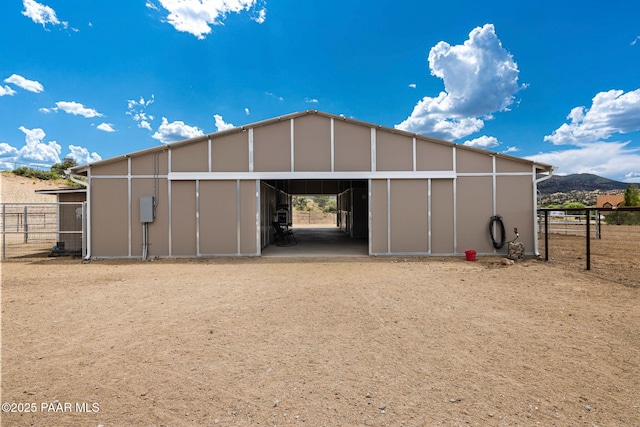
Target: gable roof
<point>613,200</point>
<point>82,168</point>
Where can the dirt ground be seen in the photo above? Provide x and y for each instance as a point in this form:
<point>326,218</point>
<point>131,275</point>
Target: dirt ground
<point>335,342</point>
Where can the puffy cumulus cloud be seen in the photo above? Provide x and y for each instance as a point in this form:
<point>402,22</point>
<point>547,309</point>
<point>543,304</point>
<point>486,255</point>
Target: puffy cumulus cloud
<point>175,131</point>
<point>589,129</point>
<point>480,78</point>
<point>7,151</point>
<point>37,151</point>
<point>614,160</point>
<point>246,111</point>
<point>6,90</point>
<point>82,156</point>
<point>484,142</point>
<point>41,14</point>
<point>137,110</point>
<point>196,16</point>
<point>106,127</point>
<point>612,112</point>
<point>220,123</point>
<point>77,109</point>
<point>21,82</point>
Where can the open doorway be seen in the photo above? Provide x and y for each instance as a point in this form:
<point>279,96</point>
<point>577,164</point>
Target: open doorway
<point>328,217</point>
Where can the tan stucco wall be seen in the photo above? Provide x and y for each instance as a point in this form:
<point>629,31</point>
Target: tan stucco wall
<point>272,148</point>
<point>352,147</point>
<point>409,216</point>
<point>183,218</point>
<point>394,152</point>
<point>474,208</point>
<point>442,220</point>
<point>312,136</point>
<point>458,209</point>
<point>109,217</point>
<point>158,229</point>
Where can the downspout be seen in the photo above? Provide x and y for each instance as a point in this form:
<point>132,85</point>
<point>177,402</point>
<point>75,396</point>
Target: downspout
<point>535,206</point>
<point>72,178</point>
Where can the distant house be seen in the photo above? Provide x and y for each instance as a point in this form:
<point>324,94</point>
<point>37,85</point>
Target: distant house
<point>610,201</point>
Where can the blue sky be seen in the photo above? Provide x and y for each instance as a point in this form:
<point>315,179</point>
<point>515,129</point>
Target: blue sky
<point>553,81</point>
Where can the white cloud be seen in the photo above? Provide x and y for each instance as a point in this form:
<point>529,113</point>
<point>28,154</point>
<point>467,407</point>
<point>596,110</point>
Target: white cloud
<point>6,90</point>
<point>484,142</point>
<point>107,127</point>
<point>612,112</point>
<point>77,109</point>
<point>413,85</point>
<point>137,111</point>
<point>246,111</point>
<point>196,16</point>
<point>633,43</point>
<point>220,123</point>
<point>311,100</point>
<point>273,95</point>
<point>41,14</point>
<point>480,78</point>
<point>81,155</point>
<point>30,85</point>
<point>175,131</point>
<point>261,16</point>
<point>44,110</point>
<point>7,151</point>
<point>610,159</point>
<point>36,151</point>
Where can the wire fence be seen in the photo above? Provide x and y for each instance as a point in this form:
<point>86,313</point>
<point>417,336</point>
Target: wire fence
<point>608,250</point>
<point>313,217</point>
<point>42,229</point>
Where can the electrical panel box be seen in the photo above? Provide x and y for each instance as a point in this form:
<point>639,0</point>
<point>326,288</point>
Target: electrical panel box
<point>147,213</point>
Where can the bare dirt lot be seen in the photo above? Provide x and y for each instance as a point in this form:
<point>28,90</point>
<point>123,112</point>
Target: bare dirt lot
<point>336,342</point>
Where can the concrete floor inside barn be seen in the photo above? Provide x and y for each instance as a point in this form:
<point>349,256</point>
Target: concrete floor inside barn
<point>319,241</point>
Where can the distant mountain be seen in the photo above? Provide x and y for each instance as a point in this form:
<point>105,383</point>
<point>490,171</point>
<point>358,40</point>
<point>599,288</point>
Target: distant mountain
<point>579,182</point>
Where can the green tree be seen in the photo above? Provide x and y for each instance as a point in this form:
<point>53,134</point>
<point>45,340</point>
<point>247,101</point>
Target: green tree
<point>632,195</point>
<point>299,203</point>
<point>65,164</point>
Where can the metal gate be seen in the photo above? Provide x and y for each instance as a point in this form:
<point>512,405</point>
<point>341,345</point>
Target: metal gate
<point>43,229</point>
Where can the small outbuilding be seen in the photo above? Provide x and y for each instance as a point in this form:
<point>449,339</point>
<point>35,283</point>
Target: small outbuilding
<point>218,194</point>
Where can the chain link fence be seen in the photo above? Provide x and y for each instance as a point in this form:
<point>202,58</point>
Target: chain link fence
<point>42,229</point>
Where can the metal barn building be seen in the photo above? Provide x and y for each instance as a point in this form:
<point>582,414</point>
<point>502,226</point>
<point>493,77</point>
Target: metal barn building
<point>217,195</point>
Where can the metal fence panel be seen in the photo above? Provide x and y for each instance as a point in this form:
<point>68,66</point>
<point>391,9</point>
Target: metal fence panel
<point>42,229</point>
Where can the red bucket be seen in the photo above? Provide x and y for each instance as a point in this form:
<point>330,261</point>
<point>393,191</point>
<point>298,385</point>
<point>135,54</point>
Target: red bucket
<point>471,255</point>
